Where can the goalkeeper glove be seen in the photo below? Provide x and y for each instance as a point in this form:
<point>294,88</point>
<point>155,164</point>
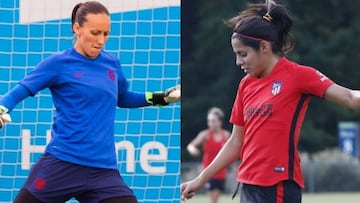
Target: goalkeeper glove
<point>171,95</point>
<point>4,116</point>
<point>156,98</point>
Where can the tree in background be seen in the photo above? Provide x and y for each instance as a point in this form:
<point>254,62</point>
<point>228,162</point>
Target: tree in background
<point>327,35</point>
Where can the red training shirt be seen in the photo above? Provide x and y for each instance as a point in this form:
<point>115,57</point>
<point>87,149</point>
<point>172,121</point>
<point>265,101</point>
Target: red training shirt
<point>271,111</point>
<point>211,148</point>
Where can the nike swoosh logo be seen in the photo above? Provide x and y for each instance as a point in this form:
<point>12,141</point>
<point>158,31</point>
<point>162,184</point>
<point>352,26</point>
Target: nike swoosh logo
<point>78,75</point>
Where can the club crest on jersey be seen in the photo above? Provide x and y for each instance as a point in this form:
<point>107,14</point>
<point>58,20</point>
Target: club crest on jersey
<point>111,75</point>
<point>276,87</point>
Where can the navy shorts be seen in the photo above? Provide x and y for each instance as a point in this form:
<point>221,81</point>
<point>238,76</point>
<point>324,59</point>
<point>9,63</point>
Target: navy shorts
<point>215,184</point>
<point>283,192</point>
<point>56,181</point>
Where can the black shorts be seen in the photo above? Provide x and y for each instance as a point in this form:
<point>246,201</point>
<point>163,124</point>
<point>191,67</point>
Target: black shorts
<point>53,180</point>
<point>283,192</point>
<point>215,184</point>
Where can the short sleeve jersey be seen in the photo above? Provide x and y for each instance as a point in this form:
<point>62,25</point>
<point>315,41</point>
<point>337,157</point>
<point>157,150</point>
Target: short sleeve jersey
<point>211,148</point>
<point>271,111</point>
<point>85,93</point>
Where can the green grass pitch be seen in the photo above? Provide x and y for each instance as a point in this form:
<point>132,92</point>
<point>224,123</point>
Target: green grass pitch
<point>307,198</point>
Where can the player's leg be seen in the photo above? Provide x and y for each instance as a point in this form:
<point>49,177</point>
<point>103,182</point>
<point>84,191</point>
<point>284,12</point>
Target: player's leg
<point>216,186</point>
<point>25,196</point>
<point>130,199</point>
<point>53,180</point>
<point>106,185</point>
<point>214,195</point>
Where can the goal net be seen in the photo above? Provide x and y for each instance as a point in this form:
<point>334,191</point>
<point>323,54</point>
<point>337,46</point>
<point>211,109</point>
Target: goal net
<point>145,35</point>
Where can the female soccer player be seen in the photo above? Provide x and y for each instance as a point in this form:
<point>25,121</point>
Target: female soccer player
<point>211,140</point>
<point>86,84</point>
<point>269,109</point>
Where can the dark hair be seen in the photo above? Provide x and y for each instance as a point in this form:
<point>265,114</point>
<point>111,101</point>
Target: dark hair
<point>217,112</point>
<point>261,22</point>
<point>82,9</point>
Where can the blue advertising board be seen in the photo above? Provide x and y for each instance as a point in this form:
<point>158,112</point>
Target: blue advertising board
<point>349,138</point>
<point>147,41</point>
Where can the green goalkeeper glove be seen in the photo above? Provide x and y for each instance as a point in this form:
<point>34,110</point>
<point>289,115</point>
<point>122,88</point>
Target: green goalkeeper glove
<point>171,95</point>
<point>4,116</point>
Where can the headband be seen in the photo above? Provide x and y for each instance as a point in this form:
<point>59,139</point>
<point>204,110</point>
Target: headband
<point>237,35</point>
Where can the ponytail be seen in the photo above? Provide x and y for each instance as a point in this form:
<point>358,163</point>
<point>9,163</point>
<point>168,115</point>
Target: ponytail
<point>270,22</point>
<point>80,11</point>
<point>73,15</point>
<point>282,23</point>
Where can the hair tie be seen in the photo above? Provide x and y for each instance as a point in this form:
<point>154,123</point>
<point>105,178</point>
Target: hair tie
<point>268,17</point>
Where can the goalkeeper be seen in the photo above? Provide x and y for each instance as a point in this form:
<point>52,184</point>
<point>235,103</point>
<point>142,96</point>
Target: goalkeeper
<point>87,84</point>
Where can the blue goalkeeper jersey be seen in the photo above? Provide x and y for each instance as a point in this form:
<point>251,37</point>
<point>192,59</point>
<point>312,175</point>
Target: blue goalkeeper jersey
<point>85,94</point>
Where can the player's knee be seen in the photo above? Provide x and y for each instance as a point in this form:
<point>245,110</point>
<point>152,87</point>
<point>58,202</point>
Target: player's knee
<point>25,196</point>
<point>129,199</point>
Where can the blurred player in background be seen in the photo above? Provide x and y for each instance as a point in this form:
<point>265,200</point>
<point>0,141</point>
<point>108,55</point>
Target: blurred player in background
<point>211,140</point>
<point>269,109</point>
<point>87,84</point>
